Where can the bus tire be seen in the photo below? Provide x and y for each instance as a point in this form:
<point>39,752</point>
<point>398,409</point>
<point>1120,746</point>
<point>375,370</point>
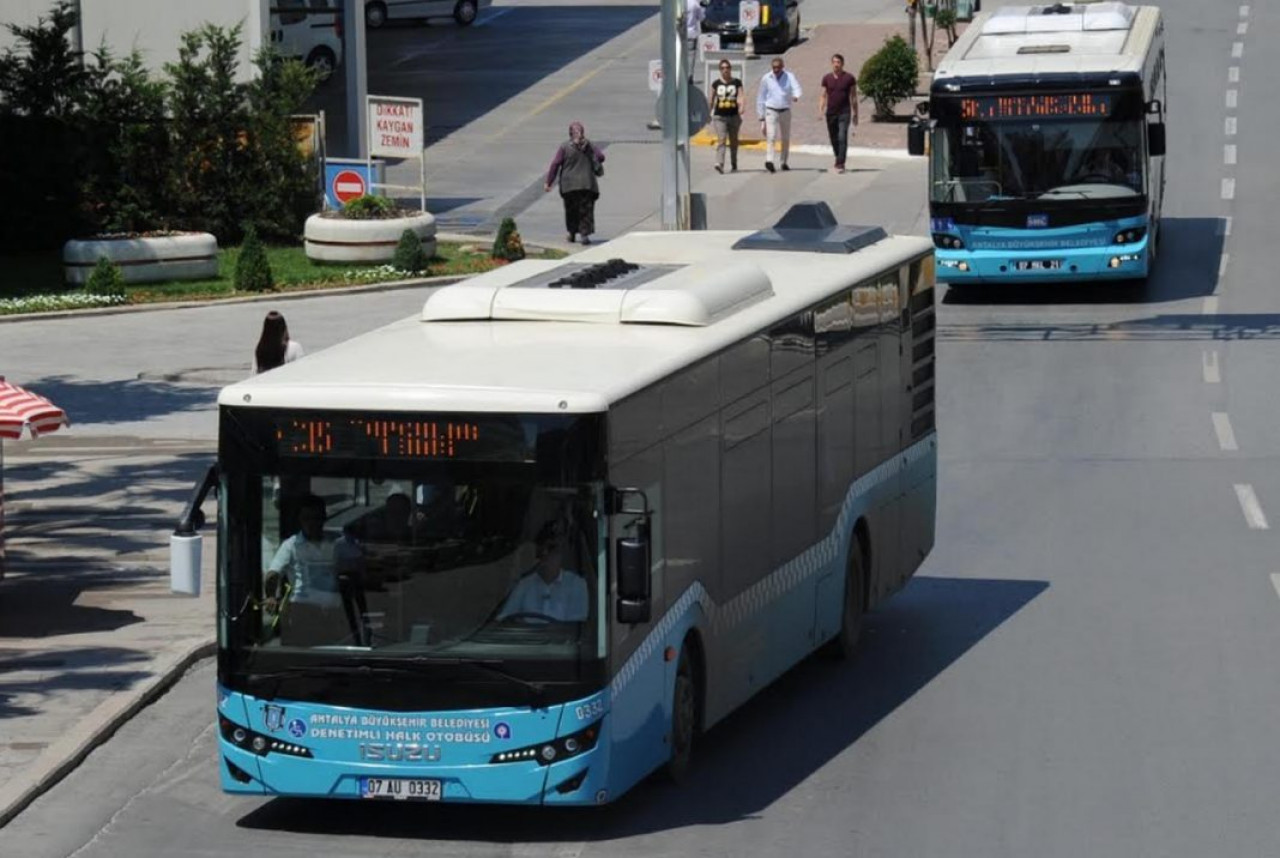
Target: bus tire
<point>845,643</point>
<point>684,718</point>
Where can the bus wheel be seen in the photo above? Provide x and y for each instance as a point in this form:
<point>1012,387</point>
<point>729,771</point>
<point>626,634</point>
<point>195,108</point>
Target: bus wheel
<point>684,719</point>
<point>846,642</point>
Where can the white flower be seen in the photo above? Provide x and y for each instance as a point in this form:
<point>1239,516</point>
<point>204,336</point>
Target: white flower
<point>47,303</point>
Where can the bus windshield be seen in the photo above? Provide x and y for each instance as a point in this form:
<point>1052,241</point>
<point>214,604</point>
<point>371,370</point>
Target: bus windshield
<point>1010,150</point>
<point>398,539</point>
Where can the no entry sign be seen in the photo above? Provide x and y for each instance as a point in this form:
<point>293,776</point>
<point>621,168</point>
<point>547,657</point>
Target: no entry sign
<point>347,185</point>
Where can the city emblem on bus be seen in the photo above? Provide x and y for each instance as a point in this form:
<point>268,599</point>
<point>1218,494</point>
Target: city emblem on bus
<point>275,718</point>
<point>1037,221</point>
<point>297,728</point>
<point>502,730</point>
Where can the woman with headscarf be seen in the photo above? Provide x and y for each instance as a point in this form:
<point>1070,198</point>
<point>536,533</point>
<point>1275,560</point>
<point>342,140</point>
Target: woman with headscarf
<point>577,163</point>
<point>275,348</point>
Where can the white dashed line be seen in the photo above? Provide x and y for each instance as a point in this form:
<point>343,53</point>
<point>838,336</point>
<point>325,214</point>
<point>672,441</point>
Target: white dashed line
<point>1228,189</point>
<point>1250,507</point>
<point>1230,126</point>
<point>1233,98</point>
<point>1226,435</point>
<point>1233,74</point>
<point>1210,306</point>
<point>1242,28</point>
<point>1222,265</point>
<point>1275,582</point>
<point>1244,11</point>
<point>1212,375</point>
<point>1229,154</point>
<point>1237,50</point>
<point>1224,226</point>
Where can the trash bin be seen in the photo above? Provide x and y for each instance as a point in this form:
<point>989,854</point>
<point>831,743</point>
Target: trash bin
<point>916,135</point>
<point>965,9</point>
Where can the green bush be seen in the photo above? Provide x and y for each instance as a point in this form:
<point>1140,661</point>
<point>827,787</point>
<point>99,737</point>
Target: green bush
<point>369,207</point>
<point>508,244</point>
<point>253,270</point>
<point>106,279</point>
<point>890,75</point>
<point>409,254</point>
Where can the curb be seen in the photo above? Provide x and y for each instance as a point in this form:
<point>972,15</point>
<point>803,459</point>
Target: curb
<point>63,756</point>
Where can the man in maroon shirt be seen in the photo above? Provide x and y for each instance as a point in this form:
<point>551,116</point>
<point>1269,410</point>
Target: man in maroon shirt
<point>838,104</point>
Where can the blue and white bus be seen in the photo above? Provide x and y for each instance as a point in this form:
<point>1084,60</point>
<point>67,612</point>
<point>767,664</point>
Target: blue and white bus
<point>1047,148</point>
<point>527,546</point>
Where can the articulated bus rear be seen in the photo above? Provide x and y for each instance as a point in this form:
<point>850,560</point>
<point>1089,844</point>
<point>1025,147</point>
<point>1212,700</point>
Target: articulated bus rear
<point>1042,174</point>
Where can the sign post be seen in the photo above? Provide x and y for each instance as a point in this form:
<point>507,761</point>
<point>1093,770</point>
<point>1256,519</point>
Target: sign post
<point>396,131</point>
<point>748,18</point>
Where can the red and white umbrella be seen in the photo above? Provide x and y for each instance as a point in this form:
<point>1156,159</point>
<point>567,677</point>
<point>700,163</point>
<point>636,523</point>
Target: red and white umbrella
<point>21,410</point>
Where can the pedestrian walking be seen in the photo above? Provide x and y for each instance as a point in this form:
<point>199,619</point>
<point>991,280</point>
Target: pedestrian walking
<point>779,89</point>
<point>275,346</point>
<point>838,104</point>
<point>726,115</point>
<point>693,17</point>
<point>578,164</point>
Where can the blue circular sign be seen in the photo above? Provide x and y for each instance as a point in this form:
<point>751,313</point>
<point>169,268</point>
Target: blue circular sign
<point>297,728</point>
<point>502,730</point>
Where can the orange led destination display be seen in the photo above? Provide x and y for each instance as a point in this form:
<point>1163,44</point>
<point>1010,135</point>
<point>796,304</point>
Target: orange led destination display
<point>1073,105</point>
<point>392,439</point>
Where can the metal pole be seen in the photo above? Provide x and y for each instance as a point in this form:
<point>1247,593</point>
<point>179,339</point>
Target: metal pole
<point>355,60</point>
<point>669,38</point>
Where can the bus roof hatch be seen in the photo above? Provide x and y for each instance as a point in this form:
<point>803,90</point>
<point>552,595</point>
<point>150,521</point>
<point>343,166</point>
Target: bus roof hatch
<point>811,227</point>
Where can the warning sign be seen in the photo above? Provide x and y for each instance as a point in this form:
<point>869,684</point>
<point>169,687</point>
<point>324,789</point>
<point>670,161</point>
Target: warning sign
<point>395,127</point>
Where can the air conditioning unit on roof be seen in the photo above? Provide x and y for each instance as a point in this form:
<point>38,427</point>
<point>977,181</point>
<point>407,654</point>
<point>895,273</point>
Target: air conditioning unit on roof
<point>1059,18</point>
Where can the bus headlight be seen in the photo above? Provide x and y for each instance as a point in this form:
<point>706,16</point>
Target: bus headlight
<point>257,743</point>
<point>1131,235</point>
<point>554,751</point>
<point>947,242</point>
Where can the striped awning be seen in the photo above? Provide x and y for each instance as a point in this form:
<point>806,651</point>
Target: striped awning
<point>23,411</point>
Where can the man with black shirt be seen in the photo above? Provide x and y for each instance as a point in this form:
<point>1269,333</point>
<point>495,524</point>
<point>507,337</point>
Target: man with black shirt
<point>726,115</point>
<point>838,104</point>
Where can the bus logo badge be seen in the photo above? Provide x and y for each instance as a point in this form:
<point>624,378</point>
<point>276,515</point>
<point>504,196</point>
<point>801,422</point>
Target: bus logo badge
<point>275,718</point>
<point>297,728</point>
<point>502,730</point>
<point>1037,221</point>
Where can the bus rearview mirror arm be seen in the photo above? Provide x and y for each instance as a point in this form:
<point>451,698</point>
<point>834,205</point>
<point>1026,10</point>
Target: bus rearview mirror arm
<point>633,560</point>
<point>192,518</point>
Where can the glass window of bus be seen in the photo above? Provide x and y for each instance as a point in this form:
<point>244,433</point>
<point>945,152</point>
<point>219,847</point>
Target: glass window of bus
<point>977,160</point>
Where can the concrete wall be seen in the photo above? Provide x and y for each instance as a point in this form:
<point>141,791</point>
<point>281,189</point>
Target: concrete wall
<point>153,26</point>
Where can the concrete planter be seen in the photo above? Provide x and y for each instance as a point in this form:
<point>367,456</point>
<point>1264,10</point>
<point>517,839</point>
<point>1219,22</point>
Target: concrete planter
<point>336,239</point>
<point>190,256</point>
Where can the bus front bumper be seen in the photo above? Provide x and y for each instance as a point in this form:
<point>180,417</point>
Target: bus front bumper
<point>1113,262</point>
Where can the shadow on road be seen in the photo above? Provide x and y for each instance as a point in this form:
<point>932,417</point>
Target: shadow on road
<point>125,401</point>
<point>1187,267</point>
<point>26,676</point>
<point>810,716</point>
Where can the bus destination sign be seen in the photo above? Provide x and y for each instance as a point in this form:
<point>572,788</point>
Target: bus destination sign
<point>359,437</point>
<point>1058,105</point>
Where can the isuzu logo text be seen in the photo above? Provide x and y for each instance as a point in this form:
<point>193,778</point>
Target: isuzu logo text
<point>400,752</point>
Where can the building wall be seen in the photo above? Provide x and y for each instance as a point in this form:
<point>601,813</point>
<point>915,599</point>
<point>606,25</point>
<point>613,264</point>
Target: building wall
<point>152,26</point>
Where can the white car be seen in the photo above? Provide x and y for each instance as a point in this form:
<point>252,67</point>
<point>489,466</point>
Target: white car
<point>379,12</point>
<point>310,30</point>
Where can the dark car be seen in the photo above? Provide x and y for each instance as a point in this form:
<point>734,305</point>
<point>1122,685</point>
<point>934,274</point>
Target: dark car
<point>779,26</point>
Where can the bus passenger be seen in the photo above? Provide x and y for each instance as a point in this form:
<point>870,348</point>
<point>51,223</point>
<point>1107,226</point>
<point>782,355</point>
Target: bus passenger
<point>549,590</point>
<point>302,582</point>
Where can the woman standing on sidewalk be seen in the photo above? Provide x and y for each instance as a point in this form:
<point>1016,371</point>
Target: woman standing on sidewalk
<point>578,164</point>
<point>275,348</point>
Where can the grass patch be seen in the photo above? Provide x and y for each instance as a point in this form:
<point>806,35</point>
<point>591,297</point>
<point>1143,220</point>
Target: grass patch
<point>31,275</point>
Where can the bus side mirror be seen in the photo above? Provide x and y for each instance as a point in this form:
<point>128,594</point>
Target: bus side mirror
<point>633,565</point>
<point>1155,139</point>
<point>916,129</point>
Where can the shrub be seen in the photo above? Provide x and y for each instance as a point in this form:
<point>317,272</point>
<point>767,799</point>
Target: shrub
<point>409,255</point>
<point>508,245</point>
<point>369,207</point>
<point>253,270</point>
<point>890,75</point>
<point>105,280</point>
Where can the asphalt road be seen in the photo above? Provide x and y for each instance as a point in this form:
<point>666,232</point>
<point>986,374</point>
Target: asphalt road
<point>1085,665</point>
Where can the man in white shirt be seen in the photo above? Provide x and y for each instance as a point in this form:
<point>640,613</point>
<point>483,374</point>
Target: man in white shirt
<point>549,590</point>
<point>309,563</point>
<point>779,89</point>
<point>693,17</point>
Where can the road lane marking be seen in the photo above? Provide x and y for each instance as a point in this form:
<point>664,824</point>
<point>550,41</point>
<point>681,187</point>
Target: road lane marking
<point>1210,306</point>
<point>495,16</point>
<point>1250,506</point>
<point>1275,582</point>
<point>1228,189</point>
<point>1237,50</point>
<point>1212,375</point>
<point>1233,74</point>
<point>1230,126</point>
<point>1229,154</point>
<point>1242,28</point>
<point>1222,265</point>
<point>1224,226</point>
<point>1226,435</point>
<point>1244,11</point>
<point>1233,98</point>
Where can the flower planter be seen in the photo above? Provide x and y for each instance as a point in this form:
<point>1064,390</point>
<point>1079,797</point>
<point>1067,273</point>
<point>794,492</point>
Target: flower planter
<point>336,239</point>
<point>145,259</point>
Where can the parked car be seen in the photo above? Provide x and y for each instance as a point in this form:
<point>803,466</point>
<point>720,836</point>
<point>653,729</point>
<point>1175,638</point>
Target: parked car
<point>779,26</point>
<point>310,30</point>
<point>379,12</point>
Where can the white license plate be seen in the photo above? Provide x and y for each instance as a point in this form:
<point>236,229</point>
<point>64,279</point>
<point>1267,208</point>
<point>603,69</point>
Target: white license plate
<point>1038,264</point>
<point>401,788</point>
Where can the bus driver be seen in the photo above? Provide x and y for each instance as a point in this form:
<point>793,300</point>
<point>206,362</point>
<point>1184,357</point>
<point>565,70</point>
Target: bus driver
<point>549,590</point>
